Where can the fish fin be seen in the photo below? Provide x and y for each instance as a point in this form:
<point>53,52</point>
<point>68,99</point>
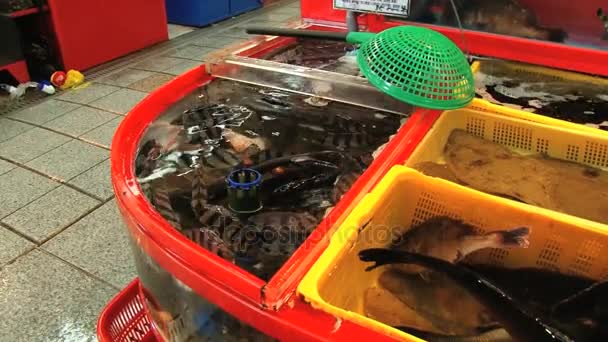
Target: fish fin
<point>517,237</point>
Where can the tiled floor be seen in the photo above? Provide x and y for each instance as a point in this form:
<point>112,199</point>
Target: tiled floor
<point>63,246</point>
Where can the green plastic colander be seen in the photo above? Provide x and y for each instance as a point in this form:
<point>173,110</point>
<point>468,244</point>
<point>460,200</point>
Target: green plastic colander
<point>413,64</point>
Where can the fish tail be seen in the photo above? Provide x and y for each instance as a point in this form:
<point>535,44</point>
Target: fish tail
<point>512,238</point>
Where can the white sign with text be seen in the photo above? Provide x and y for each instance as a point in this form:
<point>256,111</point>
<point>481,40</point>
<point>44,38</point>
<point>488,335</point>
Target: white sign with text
<point>391,7</point>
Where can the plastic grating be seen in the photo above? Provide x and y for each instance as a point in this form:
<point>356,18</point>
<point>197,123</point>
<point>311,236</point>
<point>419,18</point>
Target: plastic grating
<point>131,324</point>
<point>124,319</point>
<point>418,66</point>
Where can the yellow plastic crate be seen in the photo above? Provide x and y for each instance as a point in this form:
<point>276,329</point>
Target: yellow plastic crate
<point>518,68</point>
<point>488,107</point>
<point>405,197</point>
<point>520,135</point>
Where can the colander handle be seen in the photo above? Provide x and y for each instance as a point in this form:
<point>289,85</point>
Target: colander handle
<point>351,37</point>
<point>312,34</point>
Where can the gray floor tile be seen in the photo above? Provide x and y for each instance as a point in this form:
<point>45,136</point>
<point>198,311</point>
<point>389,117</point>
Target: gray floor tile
<point>12,246</point>
<point>96,181</point>
<point>276,16</point>
<point>218,42</point>
<point>125,77</point>
<point>98,243</point>
<point>50,213</point>
<point>48,300</point>
<point>192,52</point>
<point>19,187</point>
<point>151,83</point>
<point>11,128</point>
<point>121,101</point>
<point>44,112</point>
<point>31,144</point>
<point>6,167</point>
<point>103,134</point>
<point>183,67</point>
<point>235,32</point>
<point>266,23</point>
<point>177,30</point>
<point>69,160</point>
<point>158,63</point>
<point>286,10</point>
<point>89,94</point>
<point>80,121</point>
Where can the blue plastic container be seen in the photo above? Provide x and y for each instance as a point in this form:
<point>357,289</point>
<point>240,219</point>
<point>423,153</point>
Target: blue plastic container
<point>206,12</point>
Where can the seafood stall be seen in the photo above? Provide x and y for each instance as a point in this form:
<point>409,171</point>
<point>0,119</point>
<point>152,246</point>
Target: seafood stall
<point>282,192</point>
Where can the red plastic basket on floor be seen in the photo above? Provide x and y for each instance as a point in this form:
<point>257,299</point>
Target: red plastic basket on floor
<point>124,319</point>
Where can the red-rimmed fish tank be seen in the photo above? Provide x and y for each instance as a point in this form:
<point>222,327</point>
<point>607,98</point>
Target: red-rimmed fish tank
<point>300,116</point>
<point>316,144</point>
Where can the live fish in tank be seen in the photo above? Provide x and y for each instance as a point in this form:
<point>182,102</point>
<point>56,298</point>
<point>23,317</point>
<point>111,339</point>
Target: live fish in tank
<point>433,304</point>
<point>604,19</point>
<point>528,284</point>
<point>522,324</point>
<point>506,17</point>
<point>433,299</point>
<point>452,240</point>
<point>534,179</point>
<point>562,95</point>
<point>320,54</point>
<point>274,133</point>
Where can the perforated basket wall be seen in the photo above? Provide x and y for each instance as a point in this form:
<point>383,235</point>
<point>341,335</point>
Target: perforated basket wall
<point>419,66</point>
<point>124,319</point>
<point>581,146</point>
